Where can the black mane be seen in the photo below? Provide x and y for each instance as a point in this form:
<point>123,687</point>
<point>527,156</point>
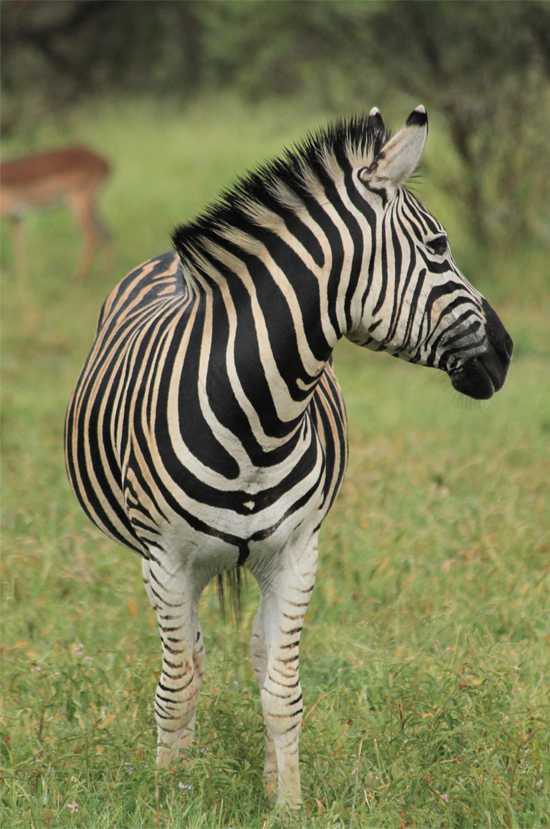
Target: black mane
<point>358,133</point>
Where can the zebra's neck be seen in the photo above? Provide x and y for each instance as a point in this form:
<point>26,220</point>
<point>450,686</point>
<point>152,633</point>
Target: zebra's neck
<point>272,303</point>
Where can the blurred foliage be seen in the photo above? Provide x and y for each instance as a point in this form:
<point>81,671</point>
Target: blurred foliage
<point>484,67</point>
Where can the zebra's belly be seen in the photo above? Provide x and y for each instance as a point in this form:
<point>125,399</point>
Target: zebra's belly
<point>214,554</point>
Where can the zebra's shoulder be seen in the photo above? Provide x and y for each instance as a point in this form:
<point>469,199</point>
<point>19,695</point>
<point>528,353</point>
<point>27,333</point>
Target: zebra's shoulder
<point>157,278</point>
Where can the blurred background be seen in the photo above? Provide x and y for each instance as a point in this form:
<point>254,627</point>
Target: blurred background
<point>261,73</point>
<point>435,553</point>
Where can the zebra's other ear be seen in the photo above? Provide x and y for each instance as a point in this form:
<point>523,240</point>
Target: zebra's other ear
<point>375,123</point>
<point>400,156</point>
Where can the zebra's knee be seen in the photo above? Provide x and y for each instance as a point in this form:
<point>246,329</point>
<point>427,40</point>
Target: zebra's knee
<point>175,734</point>
<point>177,690</point>
<point>282,703</point>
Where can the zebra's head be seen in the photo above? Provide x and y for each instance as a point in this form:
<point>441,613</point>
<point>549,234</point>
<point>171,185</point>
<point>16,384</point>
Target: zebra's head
<point>415,303</point>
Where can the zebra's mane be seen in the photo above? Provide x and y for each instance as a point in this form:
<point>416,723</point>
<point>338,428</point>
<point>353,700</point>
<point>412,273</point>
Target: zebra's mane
<point>287,178</point>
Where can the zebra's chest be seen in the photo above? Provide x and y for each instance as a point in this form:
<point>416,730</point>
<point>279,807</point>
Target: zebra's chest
<point>245,505</point>
<point>224,519</point>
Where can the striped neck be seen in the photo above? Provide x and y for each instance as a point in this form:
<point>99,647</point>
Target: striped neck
<point>283,253</point>
<point>275,292</point>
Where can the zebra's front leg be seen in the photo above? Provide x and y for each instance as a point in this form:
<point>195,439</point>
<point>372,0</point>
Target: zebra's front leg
<point>174,600</point>
<point>258,654</point>
<point>284,605</point>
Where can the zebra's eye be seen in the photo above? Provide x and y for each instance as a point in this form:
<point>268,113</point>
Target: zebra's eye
<point>438,245</point>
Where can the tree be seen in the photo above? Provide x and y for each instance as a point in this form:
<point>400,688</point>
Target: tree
<point>485,66</point>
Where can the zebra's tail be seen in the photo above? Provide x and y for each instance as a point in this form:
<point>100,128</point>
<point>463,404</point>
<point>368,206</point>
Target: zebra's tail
<point>230,587</point>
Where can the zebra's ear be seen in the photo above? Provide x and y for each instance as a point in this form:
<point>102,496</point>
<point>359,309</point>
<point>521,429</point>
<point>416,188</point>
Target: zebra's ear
<point>400,156</point>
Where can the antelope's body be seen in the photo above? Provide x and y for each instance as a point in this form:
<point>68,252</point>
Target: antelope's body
<point>72,177</point>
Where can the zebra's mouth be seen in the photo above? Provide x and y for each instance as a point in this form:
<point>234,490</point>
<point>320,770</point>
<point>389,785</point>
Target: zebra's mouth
<point>481,376</point>
<point>475,379</point>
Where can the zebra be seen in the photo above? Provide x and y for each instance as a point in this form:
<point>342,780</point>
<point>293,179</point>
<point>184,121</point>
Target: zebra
<point>207,430</point>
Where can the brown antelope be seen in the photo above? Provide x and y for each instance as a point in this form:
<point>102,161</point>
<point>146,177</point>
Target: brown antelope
<point>71,176</point>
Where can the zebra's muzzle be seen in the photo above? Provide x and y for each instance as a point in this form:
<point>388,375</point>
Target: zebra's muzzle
<point>481,376</point>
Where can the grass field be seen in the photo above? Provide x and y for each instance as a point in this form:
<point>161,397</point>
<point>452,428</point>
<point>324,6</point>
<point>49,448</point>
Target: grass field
<point>425,648</point>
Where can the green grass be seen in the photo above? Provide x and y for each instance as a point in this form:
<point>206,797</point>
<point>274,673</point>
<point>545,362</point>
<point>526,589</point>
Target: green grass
<point>425,650</point>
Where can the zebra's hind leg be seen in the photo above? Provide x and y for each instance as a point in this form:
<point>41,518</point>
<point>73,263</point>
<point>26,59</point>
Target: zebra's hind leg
<point>258,654</point>
<point>174,598</point>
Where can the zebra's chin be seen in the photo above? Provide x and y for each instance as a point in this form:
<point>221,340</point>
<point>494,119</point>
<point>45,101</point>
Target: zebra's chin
<point>474,380</point>
<point>480,377</point>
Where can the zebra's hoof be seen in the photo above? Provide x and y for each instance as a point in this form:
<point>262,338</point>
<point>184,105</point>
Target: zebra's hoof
<point>288,808</point>
<point>168,756</point>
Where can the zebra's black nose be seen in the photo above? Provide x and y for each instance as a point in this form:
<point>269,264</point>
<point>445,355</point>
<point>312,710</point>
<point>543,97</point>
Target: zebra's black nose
<point>497,336</point>
<point>481,376</point>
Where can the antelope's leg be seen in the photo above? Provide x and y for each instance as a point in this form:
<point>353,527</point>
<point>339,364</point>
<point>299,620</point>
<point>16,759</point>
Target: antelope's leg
<point>82,207</point>
<point>18,246</point>
<point>174,598</point>
<point>258,654</point>
<point>284,605</point>
<point>103,235</point>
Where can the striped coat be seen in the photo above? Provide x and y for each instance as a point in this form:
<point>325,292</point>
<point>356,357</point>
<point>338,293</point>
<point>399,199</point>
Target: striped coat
<point>147,446</point>
<point>207,430</point>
